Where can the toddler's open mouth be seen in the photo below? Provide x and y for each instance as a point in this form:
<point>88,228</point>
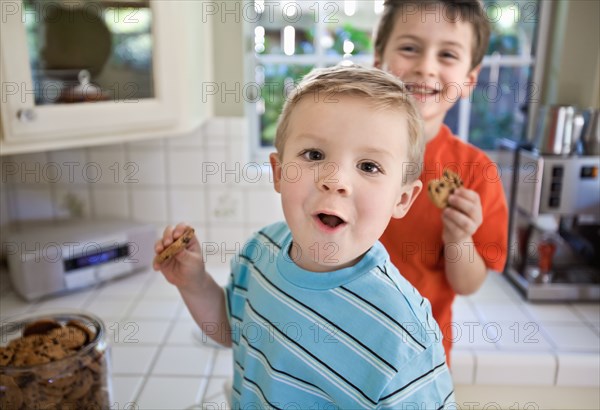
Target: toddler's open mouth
<point>332,221</point>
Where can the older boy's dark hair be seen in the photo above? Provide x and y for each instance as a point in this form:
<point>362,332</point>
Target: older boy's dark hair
<point>471,11</point>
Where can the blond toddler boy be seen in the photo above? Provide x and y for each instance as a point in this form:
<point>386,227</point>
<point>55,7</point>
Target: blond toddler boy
<point>316,314</point>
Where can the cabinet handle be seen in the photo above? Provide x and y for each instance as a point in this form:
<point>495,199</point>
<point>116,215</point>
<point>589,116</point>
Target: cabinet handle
<point>26,115</point>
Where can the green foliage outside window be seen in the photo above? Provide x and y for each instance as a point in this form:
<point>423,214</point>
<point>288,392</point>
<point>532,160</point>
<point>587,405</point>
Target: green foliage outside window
<point>273,93</point>
<point>513,26</point>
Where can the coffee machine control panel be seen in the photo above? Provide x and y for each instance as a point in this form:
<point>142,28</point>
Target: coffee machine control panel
<point>559,185</point>
<point>556,186</point>
<point>587,172</point>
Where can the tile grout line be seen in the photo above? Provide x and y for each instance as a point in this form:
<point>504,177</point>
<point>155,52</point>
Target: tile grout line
<point>208,370</point>
<point>161,345</point>
<point>132,306</point>
<point>583,319</point>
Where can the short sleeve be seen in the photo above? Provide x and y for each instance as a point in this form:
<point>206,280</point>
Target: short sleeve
<point>423,383</point>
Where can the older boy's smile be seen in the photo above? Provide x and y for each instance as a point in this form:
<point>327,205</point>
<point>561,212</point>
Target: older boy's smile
<point>420,91</point>
<point>433,58</point>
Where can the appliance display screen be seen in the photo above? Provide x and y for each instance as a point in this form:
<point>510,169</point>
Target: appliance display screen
<point>96,258</point>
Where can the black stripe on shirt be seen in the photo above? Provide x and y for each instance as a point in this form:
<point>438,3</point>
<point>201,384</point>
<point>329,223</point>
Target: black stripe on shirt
<point>414,381</point>
<point>446,400</point>
<point>325,319</point>
<point>291,341</point>
<point>271,405</point>
<point>385,314</point>
<point>383,270</point>
<point>239,364</point>
<point>261,233</point>
<point>278,371</point>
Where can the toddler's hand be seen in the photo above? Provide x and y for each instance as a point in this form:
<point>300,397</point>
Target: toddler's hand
<point>463,217</point>
<point>185,269</point>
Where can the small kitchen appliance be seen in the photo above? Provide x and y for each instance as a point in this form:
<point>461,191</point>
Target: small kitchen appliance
<point>559,129</point>
<point>53,257</point>
<point>554,229</point>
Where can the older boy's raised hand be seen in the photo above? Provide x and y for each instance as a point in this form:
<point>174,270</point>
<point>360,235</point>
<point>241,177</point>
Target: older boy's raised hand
<point>463,217</point>
<point>185,269</point>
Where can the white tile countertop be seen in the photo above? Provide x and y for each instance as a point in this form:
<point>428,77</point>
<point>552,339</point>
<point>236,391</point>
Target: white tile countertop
<point>551,350</point>
<point>501,341</point>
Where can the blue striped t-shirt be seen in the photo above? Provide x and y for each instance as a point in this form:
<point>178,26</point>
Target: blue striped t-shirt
<point>358,337</point>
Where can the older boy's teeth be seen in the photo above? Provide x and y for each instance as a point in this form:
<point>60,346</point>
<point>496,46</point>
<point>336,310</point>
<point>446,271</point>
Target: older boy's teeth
<point>421,91</point>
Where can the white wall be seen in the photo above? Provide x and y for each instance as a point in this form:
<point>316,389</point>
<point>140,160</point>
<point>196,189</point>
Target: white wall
<point>204,179</point>
<point>572,66</point>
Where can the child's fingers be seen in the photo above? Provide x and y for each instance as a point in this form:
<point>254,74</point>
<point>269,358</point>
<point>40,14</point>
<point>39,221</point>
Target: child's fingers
<point>466,195</point>
<point>457,220</point>
<point>158,246</point>
<point>164,241</point>
<point>466,201</point>
<point>170,235</point>
<point>462,204</point>
<point>167,237</point>
<point>179,230</point>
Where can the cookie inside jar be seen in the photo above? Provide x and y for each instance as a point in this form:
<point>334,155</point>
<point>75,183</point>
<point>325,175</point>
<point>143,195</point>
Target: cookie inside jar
<point>55,361</point>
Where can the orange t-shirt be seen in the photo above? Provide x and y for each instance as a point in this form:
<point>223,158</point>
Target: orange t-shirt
<point>415,241</point>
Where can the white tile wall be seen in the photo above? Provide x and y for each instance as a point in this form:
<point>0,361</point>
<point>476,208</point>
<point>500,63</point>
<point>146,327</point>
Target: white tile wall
<point>204,178</point>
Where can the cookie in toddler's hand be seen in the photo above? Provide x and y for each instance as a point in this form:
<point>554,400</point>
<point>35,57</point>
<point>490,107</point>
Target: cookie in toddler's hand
<point>176,246</point>
<point>440,189</point>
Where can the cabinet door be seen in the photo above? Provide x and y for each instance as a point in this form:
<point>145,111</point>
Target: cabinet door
<point>80,69</point>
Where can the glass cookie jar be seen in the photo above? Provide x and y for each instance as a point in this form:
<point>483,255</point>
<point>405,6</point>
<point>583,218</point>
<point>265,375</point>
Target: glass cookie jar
<point>54,361</point>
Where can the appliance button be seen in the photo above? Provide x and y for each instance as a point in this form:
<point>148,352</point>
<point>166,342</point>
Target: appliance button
<point>557,171</point>
<point>555,187</point>
<point>589,172</point>
<point>554,202</point>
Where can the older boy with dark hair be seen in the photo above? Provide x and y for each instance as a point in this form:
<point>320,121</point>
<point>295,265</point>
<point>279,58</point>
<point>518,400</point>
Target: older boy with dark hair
<point>436,47</point>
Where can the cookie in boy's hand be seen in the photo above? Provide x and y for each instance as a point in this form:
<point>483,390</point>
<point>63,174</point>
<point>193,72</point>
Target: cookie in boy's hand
<point>440,189</point>
<point>176,246</point>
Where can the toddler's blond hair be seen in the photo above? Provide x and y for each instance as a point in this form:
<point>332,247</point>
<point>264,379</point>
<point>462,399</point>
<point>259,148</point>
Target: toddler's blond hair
<point>380,89</point>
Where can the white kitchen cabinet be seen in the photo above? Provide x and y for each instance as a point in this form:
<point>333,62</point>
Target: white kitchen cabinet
<point>42,46</point>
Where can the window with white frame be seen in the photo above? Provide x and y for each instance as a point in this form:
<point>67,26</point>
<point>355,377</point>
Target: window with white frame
<point>292,37</point>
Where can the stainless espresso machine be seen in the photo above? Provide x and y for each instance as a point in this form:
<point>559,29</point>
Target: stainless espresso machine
<point>554,228</point>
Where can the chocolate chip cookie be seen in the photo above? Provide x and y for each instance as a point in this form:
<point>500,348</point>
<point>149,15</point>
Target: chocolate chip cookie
<point>440,189</point>
<point>176,246</point>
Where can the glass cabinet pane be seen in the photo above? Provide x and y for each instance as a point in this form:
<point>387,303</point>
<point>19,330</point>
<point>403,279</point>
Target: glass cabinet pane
<point>89,51</point>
